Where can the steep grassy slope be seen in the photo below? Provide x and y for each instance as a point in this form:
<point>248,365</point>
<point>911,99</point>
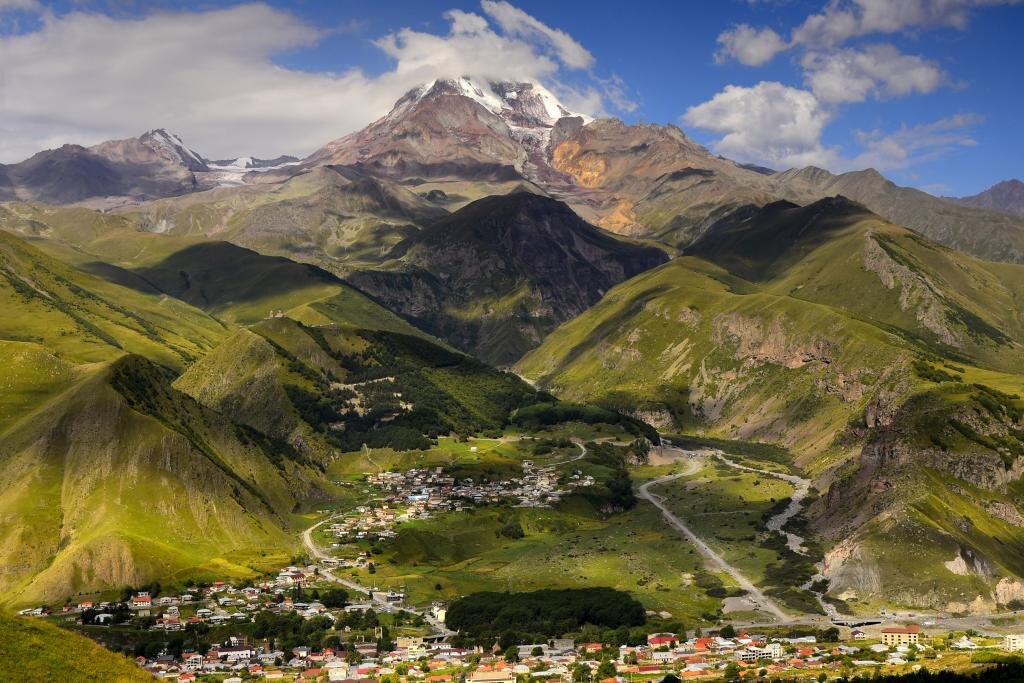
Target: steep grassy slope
<point>119,479</point>
<point>690,345</point>
<point>33,650</point>
<point>85,318</point>
<point>334,387</point>
<point>888,365</point>
<point>498,274</point>
<point>837,253</point>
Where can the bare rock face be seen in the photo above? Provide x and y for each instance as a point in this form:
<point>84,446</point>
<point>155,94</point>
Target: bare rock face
<point>757,343</point>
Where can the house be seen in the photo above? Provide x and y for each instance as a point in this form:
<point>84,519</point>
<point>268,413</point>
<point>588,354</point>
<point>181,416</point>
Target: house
<point>1013,643</point>
<point>964,643</point>
<point>142,600</point>
<point>500,676</point>
<point>901,635</point>
<point>662,639</point>
<point>857,634</point>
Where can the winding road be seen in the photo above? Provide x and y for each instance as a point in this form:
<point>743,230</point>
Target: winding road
<point>319,556</point>
<point>754,593</point>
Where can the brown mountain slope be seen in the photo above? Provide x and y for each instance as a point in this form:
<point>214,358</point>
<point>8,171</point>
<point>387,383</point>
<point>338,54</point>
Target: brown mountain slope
<point>497,275</point>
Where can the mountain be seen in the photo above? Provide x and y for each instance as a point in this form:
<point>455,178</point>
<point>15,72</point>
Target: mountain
<point>118,478</point>
<point>307,385</point>
<point>460,136</point>
<point>983,233</point>
<point>1005,197</point>
<point>98,451</point>
<point>461,128</point>
<point>328,215</point>
<point>156,164</point>
<point>887,364</point>
<point>497,275</point>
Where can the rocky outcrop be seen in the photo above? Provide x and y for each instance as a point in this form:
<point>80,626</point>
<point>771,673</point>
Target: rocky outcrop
<point>916,292</point>
<point>757,342</point>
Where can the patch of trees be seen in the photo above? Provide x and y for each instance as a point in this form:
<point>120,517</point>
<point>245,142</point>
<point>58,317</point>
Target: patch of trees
<point>449,393</point>
<point>931,373</point>
<point>614,493</point>
<point>516,618</point>
<point>547,414</point>
<point>289,629</point>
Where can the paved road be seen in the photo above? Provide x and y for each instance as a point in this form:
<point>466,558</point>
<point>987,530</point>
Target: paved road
<point>763,602</point>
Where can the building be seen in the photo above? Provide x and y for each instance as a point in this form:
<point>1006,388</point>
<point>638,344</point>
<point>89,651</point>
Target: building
<point>894,636</point>
<point>500,676</point>
<point>1013,642</point>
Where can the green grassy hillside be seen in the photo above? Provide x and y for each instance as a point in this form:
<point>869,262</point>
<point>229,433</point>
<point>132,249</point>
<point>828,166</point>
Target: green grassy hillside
<point>875,356</point>
<point>119,479</point>
<point>34,650</point>
<point>342,386</point>
<point>84,318</point>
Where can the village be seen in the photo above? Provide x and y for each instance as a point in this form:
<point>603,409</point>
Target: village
<point>412,653</point>
<point>423,492</point>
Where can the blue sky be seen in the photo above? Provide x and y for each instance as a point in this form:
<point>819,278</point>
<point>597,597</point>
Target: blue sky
<point>929,91</point>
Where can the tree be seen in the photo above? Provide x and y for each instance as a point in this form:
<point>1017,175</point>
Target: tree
<point>732,672</point>
<point>606,669</point>
<point>727,631</point>
<point>822,677</point>
<point>581,673</point>
<point>512,654</point>
<point>537,651</point>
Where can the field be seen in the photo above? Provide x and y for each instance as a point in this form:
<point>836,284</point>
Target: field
<point>569,547</point>
<point>454,554</point>
<point>727,507</point>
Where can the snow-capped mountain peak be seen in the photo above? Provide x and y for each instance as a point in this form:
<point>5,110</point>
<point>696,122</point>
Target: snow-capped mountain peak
<point>173,148</point>
<point>525,104</point>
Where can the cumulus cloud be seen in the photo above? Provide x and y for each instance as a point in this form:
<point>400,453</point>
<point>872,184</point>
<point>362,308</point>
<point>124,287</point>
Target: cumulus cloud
<point>769,123</point>
<point>782,127</point>
<point>210,76</point>
<point>748,45</point>
<point>852,75</point>
<point>842,20</point>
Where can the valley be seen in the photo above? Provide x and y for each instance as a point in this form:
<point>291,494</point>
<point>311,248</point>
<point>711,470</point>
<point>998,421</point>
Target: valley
<point>489,381</point>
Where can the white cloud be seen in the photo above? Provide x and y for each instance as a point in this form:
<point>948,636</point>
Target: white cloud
<point>782,127</point>
<point>852,75</point>
<point>515,22</point>
<point>911,145</point>
<point>210,76</point>
<point>768,123</point>
<point>748,45</point>
<point>845,19</point>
